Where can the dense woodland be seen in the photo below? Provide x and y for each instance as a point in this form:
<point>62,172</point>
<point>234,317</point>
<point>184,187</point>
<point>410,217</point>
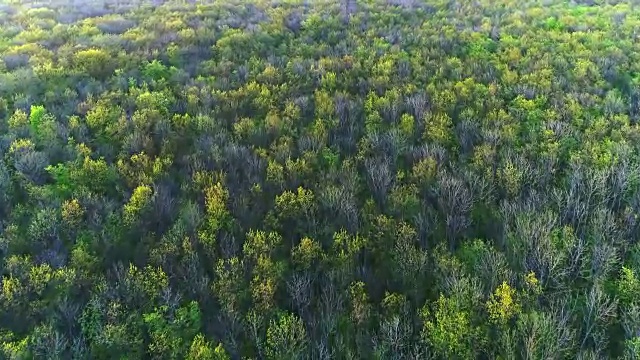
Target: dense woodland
<point>370,179</point>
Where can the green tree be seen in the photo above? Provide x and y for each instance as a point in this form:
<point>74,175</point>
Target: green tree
<point>448,329</point>
<point>139,200</point>
<point>201,349</point>
<point>286,338</point>
<point>172,331</point>
<point>95,62</point>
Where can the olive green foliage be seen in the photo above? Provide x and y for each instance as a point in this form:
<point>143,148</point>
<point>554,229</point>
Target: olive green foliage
<point>346,179</point>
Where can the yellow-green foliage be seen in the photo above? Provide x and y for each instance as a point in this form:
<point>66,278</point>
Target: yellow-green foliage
<point>72,212</point>
<point>306,253</point>
<point>18,119</point>
<point>448,329</point>
<point>215,201</point>
<point>628,286</point>
<point>104,116</point>
<point>439,128</point>
<point>503,304</point>
<point>20,145</point>
<point>139,200</point>
<point>201,349</point>
<point>292,179</point>
<point>96,62</point>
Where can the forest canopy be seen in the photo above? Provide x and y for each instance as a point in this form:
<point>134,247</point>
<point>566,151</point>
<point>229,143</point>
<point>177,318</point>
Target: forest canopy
<point>345,179</point>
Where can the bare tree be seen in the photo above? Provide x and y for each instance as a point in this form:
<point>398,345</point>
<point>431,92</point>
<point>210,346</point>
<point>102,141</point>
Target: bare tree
<point>604,257</point>
<point>79,348</point>
<point>597,313</point>
<point>66,313</point>
<point>410,4</point>
<point>341,206</point>
<point>619,180</point>
<point>426,221</point>
<point>418,104</point>
<point>48,343</point>
<point>467,133</point>
<point>547,335</point>
<point>331,303</point>
<point>380,177</point>
<point>434,151</point>
<point>32,164</point>
<point>455,202</point>
<point>255,328</point>
<point>299,288</point>
<point>528,238</point>
<point>231,330</point>
<point>584,193</point>
<point>393,338</point>
<point>321,350</point>
<point>631,321</point>
<point>164,205</point>
<point>492,268</point>
<point>229,246</point>
<point>171,299</point>
<point>576,265</point>
<point>348,8</point>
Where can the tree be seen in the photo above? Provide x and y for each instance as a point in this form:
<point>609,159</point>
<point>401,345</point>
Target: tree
<point>597,312</point>
<point>139,200</point>
<point>202,349</point>
<point>261,248</point>
<point>313,179</point>
<point>286,338</point>
<point>448,329</point>
<point>95,62</point>
<point>293,211</point>
<point>172,330</point>
<point>29,162</point>
<point>217,216</point>
<point>395,335</point>
<point>308,254</point>
<point>439,129</point>
<point>503,305</point>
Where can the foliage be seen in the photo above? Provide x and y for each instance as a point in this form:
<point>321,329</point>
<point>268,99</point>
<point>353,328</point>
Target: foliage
<point>262,179</point>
